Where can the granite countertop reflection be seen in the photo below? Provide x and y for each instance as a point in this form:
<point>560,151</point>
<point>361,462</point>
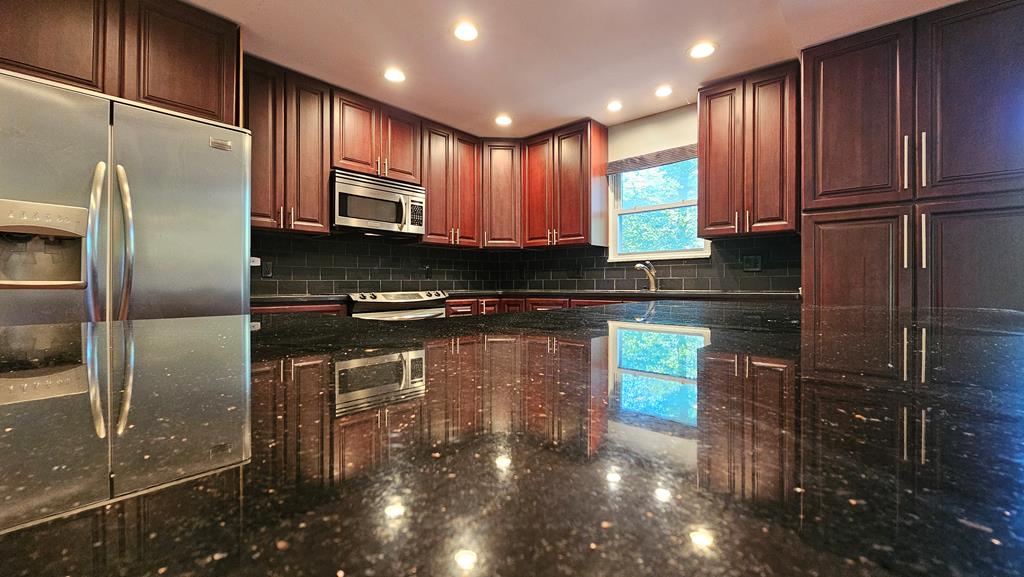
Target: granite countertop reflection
<point>662,438</point>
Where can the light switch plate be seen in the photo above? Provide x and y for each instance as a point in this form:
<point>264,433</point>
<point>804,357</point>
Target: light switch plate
<point>254,261</point>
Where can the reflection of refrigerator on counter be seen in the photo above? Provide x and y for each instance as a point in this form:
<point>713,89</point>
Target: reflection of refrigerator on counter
<point>111,210</point>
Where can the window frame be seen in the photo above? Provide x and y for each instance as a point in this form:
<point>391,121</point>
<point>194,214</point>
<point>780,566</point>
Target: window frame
<point>615,210</point>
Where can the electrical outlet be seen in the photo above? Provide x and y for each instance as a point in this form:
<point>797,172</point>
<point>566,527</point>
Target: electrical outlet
<point>254,261</point>
<point>267,269</point>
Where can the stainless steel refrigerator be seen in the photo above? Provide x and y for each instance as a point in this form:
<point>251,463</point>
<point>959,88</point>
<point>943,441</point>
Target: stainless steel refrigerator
<point>113,210</point>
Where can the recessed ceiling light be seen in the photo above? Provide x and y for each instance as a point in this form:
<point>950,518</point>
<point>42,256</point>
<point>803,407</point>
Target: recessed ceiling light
<point>702,49</point>
<point>394,75</point>
<point>615,106</point>
<point>465,31</point>
<point>503,120</point>
<point>663,91</point>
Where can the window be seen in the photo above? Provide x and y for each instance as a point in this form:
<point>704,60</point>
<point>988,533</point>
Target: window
<point>653,371</point>
<point>654,214</point>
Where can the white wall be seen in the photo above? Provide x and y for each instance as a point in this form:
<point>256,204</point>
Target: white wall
<point>669,129</point>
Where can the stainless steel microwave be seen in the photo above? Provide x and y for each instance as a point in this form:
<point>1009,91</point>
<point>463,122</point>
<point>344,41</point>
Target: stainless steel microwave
<point>376,204</point>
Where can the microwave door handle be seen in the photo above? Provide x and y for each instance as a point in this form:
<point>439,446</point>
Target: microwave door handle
<point>406,373</point>
<point>402,212</point>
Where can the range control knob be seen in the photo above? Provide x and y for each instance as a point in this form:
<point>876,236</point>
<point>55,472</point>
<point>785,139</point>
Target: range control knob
<point>362,296</point>
<point>430,294</point>
<point>373,295</point>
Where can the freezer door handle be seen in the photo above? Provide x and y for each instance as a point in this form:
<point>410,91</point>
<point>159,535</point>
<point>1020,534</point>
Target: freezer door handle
<point>129,243</point>
<point>92,235</point>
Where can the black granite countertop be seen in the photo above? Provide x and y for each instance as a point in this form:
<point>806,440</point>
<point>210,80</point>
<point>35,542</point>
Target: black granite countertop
<point>586,294</point>
<point>647,438</point>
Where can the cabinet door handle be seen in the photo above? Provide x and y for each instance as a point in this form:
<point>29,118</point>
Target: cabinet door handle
<point>903,411</point>
<point>924,159</point>
<point>385,167</point>
<point>736,222</point>
<point>291,217</point>
<point>378,166</point>
<point>924,353</point>
<point>280,220</point>
<point>924,241</point>
<point>458,235</point>
<point>556,236</point>
<point>906,344</point>
<point>924,429</point>
<point>906,240</point>
<point>549,236</point>
<point>451,236</point>
<point>746,219</point>
<point>906,161</point>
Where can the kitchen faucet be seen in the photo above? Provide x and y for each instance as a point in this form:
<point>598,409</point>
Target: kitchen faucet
<point>652,278</point>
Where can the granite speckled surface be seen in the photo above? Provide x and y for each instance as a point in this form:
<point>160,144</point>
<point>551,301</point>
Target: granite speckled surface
<point>665,438</point>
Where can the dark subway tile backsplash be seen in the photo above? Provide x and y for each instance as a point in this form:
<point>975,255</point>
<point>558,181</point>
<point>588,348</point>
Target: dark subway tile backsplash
<point>343,264</point>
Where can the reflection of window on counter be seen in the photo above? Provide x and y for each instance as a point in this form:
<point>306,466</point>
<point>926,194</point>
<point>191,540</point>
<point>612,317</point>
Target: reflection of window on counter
<point>653,370</point>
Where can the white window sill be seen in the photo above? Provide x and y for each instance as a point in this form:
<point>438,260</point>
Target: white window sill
<point>636,257</point>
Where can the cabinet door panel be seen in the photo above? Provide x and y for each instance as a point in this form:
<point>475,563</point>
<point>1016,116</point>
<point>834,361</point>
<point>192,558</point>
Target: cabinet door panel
<point>858,108</point>
<point>771,435</point>
<point>770,133</point>
<point>181,58</point>
<point>970,61</point>
<point>467,191</point>
<point>720,160</point>
<point>720,416</point>
<point>401,145</point>
<point>264,116</point>
<point>437,179</point>
<point>857,258</point>
<point>501,191</point>
<point>356,133</point>
<point>308,158</point>
<point>462,308</point>
<point>537,181</point>
<point>357,445</point>
<point>512,305</point>
<point>571,192</point>
<point>76,41</point>
<point>970,253</point>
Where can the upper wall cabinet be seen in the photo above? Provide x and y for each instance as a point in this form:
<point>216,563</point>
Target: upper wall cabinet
<point>264,116</point>
<point>167,53</point>
<point>375,139</point>
<point>970,99</point>
<point>82,47</point>
<point>502,199</point>
<point>566,188</point>
<point>467,194</point>
<point>179,57</point>
<point>747,154</point>
<point>858,101</point>
<point>451,175</point>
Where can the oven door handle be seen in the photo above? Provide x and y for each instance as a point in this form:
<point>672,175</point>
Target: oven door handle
<point>398,316</point>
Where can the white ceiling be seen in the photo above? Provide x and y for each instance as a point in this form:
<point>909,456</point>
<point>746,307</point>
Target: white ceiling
<point>544,62</point>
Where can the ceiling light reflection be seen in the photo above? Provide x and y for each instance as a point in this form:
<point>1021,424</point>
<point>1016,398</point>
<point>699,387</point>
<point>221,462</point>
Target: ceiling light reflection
<point>503,462</point>
<point>465,559</point>
<point>662,494</point>
<point>702,539</point>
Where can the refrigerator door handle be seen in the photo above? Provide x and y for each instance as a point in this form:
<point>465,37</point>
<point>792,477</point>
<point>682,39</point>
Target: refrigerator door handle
<point>129,378</point>
<point>92,376</point>
<point>92,235</point>
<point>129,242</point>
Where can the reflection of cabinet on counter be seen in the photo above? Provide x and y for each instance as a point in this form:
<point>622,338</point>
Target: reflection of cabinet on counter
<point>747,413</point>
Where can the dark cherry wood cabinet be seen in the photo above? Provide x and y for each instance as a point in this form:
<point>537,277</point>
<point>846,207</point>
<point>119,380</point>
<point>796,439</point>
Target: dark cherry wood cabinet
<point>264,115</point>
<point>164,53</point>
<point>720,159</point>
<point>858,257</point>
<point>501,190</point>
<point>969,253</point>
<point>490,306</point>
<point>969,70</point>
<point>538,173</point>
<point>438,172</point>
<point>376,139</point>
<point>182,58</point>
<point>462,308</point>
<point>747,154</point>
<point>858,130</point>
<point>307,154</point>
<point>81,47</point>
<point>566,186</point>
<point>400,144</point>
<point>546,304</point>
<point>356,133</point>
<point>771,149</point>
<point>467,196</point>
<point>512,305</point>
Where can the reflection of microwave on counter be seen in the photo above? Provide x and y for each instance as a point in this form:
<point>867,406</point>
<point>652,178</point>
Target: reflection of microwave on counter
<point>378,381</point>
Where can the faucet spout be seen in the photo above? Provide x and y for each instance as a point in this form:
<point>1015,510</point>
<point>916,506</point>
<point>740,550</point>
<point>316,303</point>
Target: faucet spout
<point>652,274</point>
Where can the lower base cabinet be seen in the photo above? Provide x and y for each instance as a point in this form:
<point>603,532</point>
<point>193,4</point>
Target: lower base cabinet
<point>512,305</point>
<point>462,308</point>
